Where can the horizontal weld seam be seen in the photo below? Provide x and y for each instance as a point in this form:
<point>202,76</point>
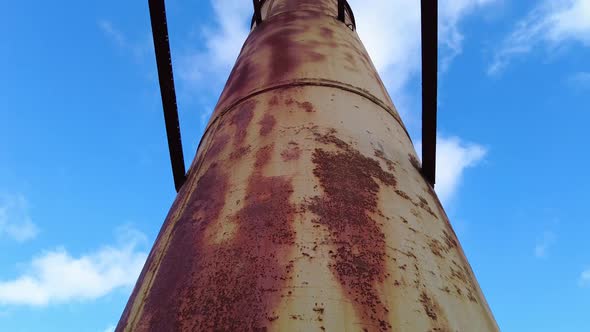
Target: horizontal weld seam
<point>297,83</point>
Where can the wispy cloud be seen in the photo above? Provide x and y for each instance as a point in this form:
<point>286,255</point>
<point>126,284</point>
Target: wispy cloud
<point>543,244</point>
<point>453,157</point>
<point>393,39</point>
<point>550,24</point>
<point>56,276</point>
<point>580,80</point>
<point>137,49</point>
<point>15,221</point>
<point>111,328</point>
<point>585,278</point>
<point>222,42</point>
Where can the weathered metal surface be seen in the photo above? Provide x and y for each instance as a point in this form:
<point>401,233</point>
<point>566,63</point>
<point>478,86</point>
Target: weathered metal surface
<point>304,209</point>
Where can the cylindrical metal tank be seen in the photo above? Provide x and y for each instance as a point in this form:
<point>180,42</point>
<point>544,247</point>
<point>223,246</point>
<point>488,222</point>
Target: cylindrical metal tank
<point>304,209</point>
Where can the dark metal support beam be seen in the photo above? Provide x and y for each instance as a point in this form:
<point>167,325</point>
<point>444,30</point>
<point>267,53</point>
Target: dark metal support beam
<point>164,62</point>
<point>429,17</point>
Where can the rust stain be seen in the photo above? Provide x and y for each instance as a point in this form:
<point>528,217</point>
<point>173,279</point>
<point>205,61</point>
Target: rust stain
<point>449,240</point>
<point>423,204</point>
<point>403,194</point>
<point>329,138</point>
<point>306,106</point>
<point>267,123</point>
<point>151,261</point>
<point>229,287</point>
<point>292,152</point>
<point>171,286</point>
<point>436,247</point>
<point>218,145</point>
<point>438,321</point>
<point>379,154</point>
<point>430,308</point>
<point>240,152</point>
<point>274,101</point>
<point>349,182</point>
<point>281,42</point>
<point>326,32</point>
<point>241,119</point>
<point>263,156</point>
<point>414,161</point>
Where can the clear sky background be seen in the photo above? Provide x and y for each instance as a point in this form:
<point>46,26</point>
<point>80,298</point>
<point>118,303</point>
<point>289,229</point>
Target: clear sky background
<point>85,179</point>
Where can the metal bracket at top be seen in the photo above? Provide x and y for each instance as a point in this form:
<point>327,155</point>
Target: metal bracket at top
<point>343,7</point>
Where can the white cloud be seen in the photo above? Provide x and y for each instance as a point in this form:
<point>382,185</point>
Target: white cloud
<point>56,276</point>
<point>580,80</point>
<point>110,329</point>
<point>393,39</point>
<point>585,278</point>
<point>138,49</point>
<point>453,156</point>
<point>550,24</point>
<point>15,221</point>
<point>222,41</point>
<point>544,243</point>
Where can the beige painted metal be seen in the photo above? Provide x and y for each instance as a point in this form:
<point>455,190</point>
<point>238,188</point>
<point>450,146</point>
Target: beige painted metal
<point>304,209</point>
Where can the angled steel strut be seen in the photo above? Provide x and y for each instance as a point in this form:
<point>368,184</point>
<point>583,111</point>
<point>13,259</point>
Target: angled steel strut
<point>429,22</point>
<point>164,63</point>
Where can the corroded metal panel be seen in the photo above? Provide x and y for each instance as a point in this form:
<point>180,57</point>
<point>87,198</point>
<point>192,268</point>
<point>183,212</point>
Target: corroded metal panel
<point>304,209</point>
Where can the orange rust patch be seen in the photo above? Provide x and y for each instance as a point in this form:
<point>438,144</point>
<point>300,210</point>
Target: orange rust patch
<point>403,195</point>
<point>233,286</point>
<point>241,119</point>
<point>430,308</point>
<point>423,204</point>
<point>274,101</point>
<point>438,321</point>
<point>306,105</point>
<point>263,156</point>
<point>293,152</point>
<point>240,152</point>
<point>171,289</point>
<point>267,123</point>
<point>379,154</point>
<point>436,247</point>
<point>450,241</point>
<point>414,161</point>
<point>326,32</point>
<point>349,181</point>
<point>329,138</point>
<point>281,41</point>
<point>219,143</point>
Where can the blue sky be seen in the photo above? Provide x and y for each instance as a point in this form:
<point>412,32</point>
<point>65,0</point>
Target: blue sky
<point>85,180</point>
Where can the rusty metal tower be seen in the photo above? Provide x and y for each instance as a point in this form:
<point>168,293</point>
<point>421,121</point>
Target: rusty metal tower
<point>305,208</point>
